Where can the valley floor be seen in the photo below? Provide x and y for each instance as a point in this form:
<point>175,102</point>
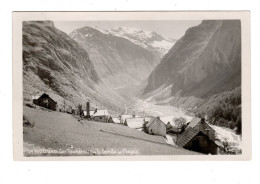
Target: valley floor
<point>60,134</point>
<point>167,113</point>
<point>160,110</point>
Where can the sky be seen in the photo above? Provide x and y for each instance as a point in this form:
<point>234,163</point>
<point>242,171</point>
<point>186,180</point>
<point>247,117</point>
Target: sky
<point>168,28</point>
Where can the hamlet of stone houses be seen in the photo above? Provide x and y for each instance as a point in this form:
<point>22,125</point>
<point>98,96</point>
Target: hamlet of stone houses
<point>105,88</point>
<point>195,135</point>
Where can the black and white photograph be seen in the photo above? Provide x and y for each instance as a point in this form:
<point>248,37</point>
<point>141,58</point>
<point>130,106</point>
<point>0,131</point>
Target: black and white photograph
<point>98,87</point>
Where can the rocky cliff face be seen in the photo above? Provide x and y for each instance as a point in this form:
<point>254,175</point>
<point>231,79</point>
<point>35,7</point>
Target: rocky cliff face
<point>118,61</point>
<point>56,64</point>
<point>205,61</point>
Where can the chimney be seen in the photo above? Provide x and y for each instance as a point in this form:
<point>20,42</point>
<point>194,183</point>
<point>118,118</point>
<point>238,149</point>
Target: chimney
<point>207,132</point>
<point>202,126</point>
<point>88,110</point>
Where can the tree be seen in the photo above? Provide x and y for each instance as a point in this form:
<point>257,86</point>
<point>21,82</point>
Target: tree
<point>180,122</point>
<point>239,125</point>
<point>80,110</point>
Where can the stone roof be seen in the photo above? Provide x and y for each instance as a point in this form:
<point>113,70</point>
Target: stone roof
<point>135,122</point>
<point>154,119</point>
<point>186,136</point>
<point>99,113</point>
<point>194,122</point>
<point>116,120</point>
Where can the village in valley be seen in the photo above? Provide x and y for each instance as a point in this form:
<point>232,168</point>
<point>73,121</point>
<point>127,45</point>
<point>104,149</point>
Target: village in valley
<point>195,135</point>
<point>131,87</point>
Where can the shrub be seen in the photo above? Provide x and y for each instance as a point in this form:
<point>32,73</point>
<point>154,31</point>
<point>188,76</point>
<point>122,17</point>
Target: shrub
<point>27,123</point>
<point>29,105</point>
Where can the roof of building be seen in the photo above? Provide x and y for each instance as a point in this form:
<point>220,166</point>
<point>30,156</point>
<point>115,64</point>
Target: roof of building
<point>166,119</point>
<point>186,136</point>
<point>135,122</point>
<point>116,120</point>
<point>170,119</point>
<point>126,116</point>
<point>44,95</point>
<point>189,134</point>
<point>154,119</point>
<point>34,97</point>
<point>99,113</point>
<point>194,122</point>
<point>147,118</point>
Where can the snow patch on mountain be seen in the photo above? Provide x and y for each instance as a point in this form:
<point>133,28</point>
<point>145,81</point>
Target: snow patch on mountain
<point>104,31</point>
<point>88,35</point>
<point>163,45</point>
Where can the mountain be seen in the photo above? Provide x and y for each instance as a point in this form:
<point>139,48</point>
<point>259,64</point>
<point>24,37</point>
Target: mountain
<point>56,64</point>
<point>149,40</point>
<point>205,61</point>
<point>118,61</point>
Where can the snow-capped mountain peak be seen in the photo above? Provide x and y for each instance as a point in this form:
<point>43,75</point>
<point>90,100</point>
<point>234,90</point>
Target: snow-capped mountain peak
<point>149,40</point>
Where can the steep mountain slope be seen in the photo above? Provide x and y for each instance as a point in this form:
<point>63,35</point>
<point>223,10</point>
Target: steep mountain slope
<point>205,61</point>
<point>118,61</point>
<point>56,64</point>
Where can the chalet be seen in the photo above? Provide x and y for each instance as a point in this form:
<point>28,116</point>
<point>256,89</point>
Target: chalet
<point>198,136</point>
<point>100,115</point>
<point>126,116</point>
<point>46,101</point>
<point>136,123</point>
<point>155,127</point>
<point>201,125</point>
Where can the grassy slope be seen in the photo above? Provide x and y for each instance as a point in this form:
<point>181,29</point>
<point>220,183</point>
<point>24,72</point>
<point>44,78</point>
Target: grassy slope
<point>59,131</point>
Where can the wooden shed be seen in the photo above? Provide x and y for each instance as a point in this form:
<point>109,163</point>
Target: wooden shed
<point>199,137</point>
<point>101,116</point>
<point>155,127</point>
<point>46,101</point>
